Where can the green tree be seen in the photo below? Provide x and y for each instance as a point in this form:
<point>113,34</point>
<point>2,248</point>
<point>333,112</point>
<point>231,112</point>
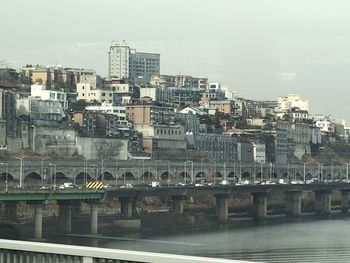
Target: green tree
<point>78,105</point>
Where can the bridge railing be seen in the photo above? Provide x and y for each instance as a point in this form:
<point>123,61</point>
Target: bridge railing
<point>25,252</point>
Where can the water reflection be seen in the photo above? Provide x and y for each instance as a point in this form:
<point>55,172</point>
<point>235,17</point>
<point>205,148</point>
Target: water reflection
<point>308,239</point>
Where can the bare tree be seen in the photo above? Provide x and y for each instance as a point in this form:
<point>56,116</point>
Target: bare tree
<point>108,149</point>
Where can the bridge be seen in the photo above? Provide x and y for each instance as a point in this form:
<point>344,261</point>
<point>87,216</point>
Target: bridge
<point>28,252</point>
<point>65,199</point>
<point>69,201</point>
<point>52,171</point>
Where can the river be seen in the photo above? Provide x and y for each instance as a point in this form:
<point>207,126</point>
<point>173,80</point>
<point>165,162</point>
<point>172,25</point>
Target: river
<point>309,239</point>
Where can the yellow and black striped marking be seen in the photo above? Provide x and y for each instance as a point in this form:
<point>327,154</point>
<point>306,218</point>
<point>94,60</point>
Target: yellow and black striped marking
<point>94,185</point>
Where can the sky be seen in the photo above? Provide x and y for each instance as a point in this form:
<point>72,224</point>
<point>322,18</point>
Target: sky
<point>261,49</point>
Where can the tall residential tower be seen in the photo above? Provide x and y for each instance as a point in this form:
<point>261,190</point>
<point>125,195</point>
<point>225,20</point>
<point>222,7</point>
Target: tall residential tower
<point>126,63</point>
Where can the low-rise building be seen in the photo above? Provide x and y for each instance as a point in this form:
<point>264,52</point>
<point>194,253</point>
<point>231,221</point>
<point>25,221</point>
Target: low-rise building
<point>218,147</point>
<point>165,81</point>
<point>223,106</point>
<point>119,111</point>
<point>295,139</point>
<point>41,112</point>
<point>163,140</point>
<point>42,93</point>
<point>90,94</point>
<point>145,114</point>
<point>296,114</point>
<point>286,103</point>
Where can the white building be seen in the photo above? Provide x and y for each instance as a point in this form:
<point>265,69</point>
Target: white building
<point>214,85</point>
<point>119,111</point>
<point>324,125</point>
<point>88,93</point>
<point>286,103</point>
<point>118,60</point>
<point>40,91</point>
<point>192,110</point>
<point>298,114</point>
<point>229,94</point>
<point>259,152</point>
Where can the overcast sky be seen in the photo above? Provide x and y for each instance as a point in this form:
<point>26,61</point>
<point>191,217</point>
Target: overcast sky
<point>260,48</point>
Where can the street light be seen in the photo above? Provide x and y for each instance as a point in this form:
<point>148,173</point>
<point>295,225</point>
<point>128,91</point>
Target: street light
<point>95,170</point>
<point>20,171</point>
<point>214,168</point>
<point>85,172</point>
<point>42,172</point>
<point>102,171</point>
<point>116,172</point>
<point>6,176</point>
<point>168,172</point>
<point>225,170</point>
<point>53,174</point>
<point>347,172</point>
<point>202,172</point>
<point>192,175</point>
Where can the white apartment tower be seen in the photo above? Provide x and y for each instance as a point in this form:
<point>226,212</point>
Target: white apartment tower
<point>126,63</point>
<point>118,60</point>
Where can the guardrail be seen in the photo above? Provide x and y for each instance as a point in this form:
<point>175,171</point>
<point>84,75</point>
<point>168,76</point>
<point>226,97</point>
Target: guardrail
<point>26,252</point>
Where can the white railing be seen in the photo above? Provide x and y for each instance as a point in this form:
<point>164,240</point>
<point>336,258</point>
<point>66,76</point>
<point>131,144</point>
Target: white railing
<point>24,251</point>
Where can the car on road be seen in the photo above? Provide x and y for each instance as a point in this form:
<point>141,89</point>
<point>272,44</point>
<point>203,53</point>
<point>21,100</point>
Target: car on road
<point>127,186</point>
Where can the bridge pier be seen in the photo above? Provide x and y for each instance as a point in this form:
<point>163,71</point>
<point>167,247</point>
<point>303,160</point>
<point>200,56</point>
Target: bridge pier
<point>65,217</point>
<point>345,201</point>
<point>126,206</point>
<point>260,205</point>
<point>178,203</point>
<point>38,221</point>
<point>76,209</point>
<point>94,219</point>
<point>11,210</point>
<point>222,208</point>
<point>323,202</point>
<point>293,203</point>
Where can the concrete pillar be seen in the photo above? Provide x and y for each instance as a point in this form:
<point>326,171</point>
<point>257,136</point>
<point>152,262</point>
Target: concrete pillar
<point>323,202</point>
<point>293,203</point>
<point>11,210</point>
<point>38,221</point>
<point>345,201</point>
<point>76,209</point>
<point>178,203</point>
<point>260,205</point>
<point>126,206</point>
<point>94,219</point>
<point>65,217</point>
<point>222,208</point>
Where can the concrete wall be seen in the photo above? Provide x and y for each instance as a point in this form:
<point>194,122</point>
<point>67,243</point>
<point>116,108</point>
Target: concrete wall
<point>54,141</point>
<point>87,147</point>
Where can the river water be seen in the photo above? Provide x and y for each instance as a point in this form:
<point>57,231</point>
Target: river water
<point>309,239</point>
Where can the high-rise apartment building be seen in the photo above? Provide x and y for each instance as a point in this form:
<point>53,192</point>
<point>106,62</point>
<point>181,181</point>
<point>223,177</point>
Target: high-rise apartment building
<point>126,63</point>
<point>118,60</point>
<point>143,65</point>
